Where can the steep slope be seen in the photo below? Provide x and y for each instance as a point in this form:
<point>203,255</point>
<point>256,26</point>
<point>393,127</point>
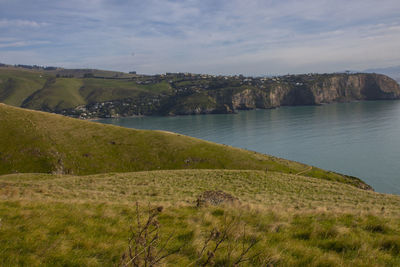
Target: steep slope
<point>32,141</point>
<point>56,94</point>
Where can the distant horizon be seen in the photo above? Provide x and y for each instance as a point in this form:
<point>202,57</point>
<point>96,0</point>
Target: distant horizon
<point>217,37</point>
<point>204,73</point>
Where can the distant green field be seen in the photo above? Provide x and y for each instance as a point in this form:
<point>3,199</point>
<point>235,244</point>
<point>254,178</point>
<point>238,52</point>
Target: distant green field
<point>42,90</point>
<point>16,86</point>
<point>62,93</point>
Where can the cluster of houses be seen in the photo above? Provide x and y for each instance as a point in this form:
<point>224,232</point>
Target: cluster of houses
<point>115,108</point>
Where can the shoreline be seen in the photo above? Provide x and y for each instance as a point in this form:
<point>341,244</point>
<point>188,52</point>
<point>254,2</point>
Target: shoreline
<point>231,113</point>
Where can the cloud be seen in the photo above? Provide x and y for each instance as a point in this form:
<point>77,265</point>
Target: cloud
<point>21,44</point>
<point>252,37</point>
<point>21,23</point>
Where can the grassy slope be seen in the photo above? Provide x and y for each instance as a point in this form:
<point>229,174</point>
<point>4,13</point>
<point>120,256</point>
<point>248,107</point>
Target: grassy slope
<point>33,141</point>
<point>69,220</point>
<point>19,85</point>
<point>61,94</point>
<point>16,85</point>
<point>100,90</point>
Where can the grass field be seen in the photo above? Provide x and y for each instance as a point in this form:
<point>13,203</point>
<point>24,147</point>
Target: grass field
<point>85,220</point>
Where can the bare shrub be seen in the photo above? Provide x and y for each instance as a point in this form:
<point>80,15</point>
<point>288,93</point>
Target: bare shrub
<point>225,240</point>
<point>145,247</point>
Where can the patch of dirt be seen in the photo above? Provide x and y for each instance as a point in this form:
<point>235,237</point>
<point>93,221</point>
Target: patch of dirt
<point>215,198</point>
<point>193,160</point>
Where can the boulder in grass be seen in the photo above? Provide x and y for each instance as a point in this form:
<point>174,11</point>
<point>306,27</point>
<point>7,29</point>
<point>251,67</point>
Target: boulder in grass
<point>215,198</point>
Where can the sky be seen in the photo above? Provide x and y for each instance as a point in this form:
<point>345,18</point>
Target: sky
<point>202,36</point>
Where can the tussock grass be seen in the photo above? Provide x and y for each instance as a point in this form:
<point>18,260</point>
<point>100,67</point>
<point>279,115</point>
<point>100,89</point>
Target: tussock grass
<point>85,220</point>
<point>257,188</point>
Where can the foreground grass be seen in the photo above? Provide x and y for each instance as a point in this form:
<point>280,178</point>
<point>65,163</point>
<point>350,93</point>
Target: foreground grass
<point>69,220</point>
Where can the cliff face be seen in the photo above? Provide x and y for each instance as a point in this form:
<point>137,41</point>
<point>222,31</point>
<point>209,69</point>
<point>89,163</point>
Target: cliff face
<point>327,89</point>
<point>356,87</point>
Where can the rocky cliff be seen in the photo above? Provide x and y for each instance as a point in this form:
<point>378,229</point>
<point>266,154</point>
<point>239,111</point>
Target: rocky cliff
<point>324,89</point>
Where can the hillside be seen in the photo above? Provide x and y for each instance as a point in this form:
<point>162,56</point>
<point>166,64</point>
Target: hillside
<point>33,141</point>
<point>291,220</point>
<point>94,93</point>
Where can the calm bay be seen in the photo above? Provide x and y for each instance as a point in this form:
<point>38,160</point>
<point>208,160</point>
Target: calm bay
<point>359,138</point>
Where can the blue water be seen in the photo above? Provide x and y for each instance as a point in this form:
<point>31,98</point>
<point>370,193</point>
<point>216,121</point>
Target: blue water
<point>359,139</point>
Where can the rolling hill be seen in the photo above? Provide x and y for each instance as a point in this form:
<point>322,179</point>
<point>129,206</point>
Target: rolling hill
<point>44,90</point>
<point>33,141</point>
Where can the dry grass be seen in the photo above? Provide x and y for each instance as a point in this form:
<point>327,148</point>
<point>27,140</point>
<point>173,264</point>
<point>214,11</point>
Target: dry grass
<point>84,220</point>
<point>260,189</point>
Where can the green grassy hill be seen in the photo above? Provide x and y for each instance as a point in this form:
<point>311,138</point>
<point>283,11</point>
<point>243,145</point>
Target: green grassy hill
<point>43,90</point>
<point>294,220</point>
<point>33,141</point>
<point>56,94</point>
<point>16,85</point>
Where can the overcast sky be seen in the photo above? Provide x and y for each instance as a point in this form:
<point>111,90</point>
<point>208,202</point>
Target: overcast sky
<point>202,36</point>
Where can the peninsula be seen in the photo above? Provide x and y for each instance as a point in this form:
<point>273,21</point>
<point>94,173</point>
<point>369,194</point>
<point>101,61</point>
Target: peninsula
<point>89,93</point>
